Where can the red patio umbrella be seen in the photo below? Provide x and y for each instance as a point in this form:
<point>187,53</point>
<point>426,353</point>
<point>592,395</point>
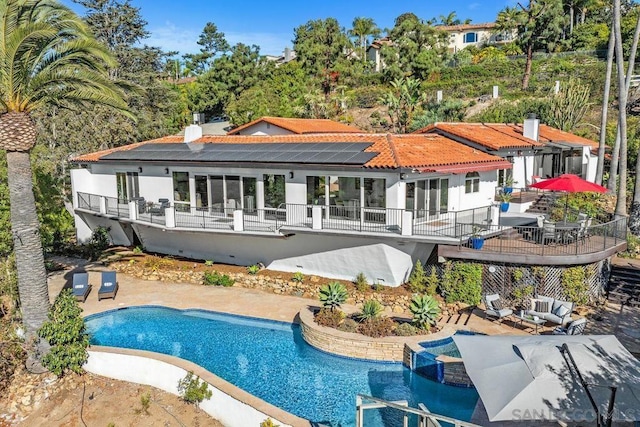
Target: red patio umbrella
<point>569,183</point>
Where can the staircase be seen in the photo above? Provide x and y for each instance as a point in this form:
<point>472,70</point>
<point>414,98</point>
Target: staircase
<point>543,204</point>
<point>624,286</point>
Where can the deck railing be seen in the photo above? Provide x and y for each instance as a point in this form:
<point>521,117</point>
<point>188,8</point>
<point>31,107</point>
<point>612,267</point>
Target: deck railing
<point>455,226</point>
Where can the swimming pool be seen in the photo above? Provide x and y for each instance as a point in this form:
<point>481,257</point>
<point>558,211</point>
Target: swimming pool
<point>271,361</point>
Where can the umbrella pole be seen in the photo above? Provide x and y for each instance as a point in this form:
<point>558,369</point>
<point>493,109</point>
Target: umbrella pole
<point>565,350</point>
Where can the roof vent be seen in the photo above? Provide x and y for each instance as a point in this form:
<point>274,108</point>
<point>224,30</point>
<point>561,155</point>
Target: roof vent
<point>531,127</point>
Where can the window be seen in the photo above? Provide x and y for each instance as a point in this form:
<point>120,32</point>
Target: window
<point>249,193</point>
<point>470,37</point>
<point>472,182</point>
<point>274,190</point>
<point>181,187</point>
<point>375,192</point>
<point>127,186</point>
<point>316,190</point>
<point>202,191</point>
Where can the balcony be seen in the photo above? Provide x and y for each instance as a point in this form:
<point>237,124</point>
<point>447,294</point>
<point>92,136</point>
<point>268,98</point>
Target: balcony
<point>450,230</point>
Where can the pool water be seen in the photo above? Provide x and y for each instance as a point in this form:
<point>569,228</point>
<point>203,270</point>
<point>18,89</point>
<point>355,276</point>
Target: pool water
<point>272,361</point>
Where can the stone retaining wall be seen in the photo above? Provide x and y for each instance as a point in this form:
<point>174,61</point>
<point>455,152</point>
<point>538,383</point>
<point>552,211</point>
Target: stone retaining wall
<point>350,345</point>
<point>456,374</point>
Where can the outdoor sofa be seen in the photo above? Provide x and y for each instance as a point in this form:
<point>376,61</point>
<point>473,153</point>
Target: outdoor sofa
<point>551,309</point>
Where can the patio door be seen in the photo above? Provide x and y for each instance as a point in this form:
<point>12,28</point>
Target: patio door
<point>202,192</point>
<point>127,186</point>
<point>428,198</point>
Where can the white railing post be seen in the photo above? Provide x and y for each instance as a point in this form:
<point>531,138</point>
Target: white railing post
<point>170,217</point>
<point>103,205</point>
<point>407,223</point>
<point>133,210</point>
<point>238,220</point>
<point>316,217</point>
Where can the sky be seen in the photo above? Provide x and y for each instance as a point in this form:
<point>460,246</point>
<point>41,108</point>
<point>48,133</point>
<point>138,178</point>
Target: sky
<point>176,25</point>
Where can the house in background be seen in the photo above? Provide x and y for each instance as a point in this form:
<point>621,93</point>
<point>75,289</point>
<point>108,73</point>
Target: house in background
<point>290,126</point>
<point>373,53</point>
<point>479,35</point>
<point>287,55</point>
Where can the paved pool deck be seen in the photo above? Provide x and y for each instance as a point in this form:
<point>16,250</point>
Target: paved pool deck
<point>624,322</point>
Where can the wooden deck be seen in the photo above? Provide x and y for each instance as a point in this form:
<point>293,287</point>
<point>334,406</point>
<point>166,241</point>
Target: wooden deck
<point>524,250</point>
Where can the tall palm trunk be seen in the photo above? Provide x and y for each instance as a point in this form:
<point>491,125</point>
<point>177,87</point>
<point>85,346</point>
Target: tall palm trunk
<point>527,67</point>
<point>621,202</point>
<point>27,246</point>
<point>615,159</point>
<point>605,109</point>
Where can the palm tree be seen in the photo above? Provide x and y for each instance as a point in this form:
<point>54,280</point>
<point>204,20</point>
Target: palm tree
<point>605,109</point>
<point>362,29</point>
<point>450,19</point>
<point>621,202</point>
<point>47,57</point>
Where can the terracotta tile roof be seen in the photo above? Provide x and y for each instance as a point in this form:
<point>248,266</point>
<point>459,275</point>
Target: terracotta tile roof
<point>301,126</point>
<point>496,136</point>
<point>394,151</point>
<point>95,156</point>
<point>465,27</point>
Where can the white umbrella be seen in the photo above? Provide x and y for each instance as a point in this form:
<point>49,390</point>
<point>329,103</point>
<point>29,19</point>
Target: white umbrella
<point>531,379</point>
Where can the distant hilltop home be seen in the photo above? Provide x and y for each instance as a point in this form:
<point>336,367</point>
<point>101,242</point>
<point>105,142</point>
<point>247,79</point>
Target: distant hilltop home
<point>326,199</point>
<point>460,36</point>
<point>287,55</point>
<point>464,35</point>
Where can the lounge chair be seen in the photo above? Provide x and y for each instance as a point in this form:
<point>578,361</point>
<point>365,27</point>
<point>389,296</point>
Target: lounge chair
<point>81,286</point>
<point>109,286</point>
<point>574,328</point>
<point>494,309</point>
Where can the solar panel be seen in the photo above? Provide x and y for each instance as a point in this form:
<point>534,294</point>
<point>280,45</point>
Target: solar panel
<point>307,153</point>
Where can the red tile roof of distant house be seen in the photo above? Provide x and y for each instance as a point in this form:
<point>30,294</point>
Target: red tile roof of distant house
<point>497,136</point>
<point>428,153</point>
<point>301,126</point>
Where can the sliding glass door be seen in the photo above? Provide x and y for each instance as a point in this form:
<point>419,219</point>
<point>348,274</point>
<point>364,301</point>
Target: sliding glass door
<point>428,198</point>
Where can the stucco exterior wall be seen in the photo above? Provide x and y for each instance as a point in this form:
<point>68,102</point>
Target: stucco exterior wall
<point>263,128</point>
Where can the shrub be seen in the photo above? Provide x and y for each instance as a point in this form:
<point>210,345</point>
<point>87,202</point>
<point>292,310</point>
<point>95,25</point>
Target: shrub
<point>269,423</point>
<point>145,402</point>
<point>298,277</point>
<point>65,332</point>
<point>417,278</point>
<point>368,97</point>
<point>333,294</point>
<point>137,250</point>
<point>575,285</point>
<point>361,282</point>
<point>253,269</point>
<point>191,389</point>
<point>406,330</point>
<point>216,279</point>
<point>431,282</point>
<point>377,327</point>
<point>349,325</point>
<point>11,354</point>
<point>99,242</point>
<point>425,311</point>
<point>208,263</point>
<point>462,282</point>
<point>521,295</point>
<point>329,317</point>
<point>370,310</point>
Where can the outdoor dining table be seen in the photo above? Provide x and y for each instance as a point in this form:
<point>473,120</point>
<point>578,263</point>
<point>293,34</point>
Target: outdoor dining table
<point>566,230</point>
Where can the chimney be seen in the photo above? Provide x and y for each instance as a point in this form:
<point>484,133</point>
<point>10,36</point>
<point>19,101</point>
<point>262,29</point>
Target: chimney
<point>287,54</point>
<point>531,127</point>
<point>198,118</point>
<point>192,132</point>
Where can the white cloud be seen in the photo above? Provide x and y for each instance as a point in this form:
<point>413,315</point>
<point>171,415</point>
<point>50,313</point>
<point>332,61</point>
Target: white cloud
<point>172,38</point>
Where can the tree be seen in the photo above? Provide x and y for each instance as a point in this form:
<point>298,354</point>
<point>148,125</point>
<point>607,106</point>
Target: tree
<point>605,109</point>
<point>320,45</point>
<point>569,106</point>
<point>450,19</point>
<point>621,202</point>
<point>362,29</point>
<point>47,57</point>
<point>402,102</point>
<point>213,43</point>
<point>417,50</point>
<point>539,26</point>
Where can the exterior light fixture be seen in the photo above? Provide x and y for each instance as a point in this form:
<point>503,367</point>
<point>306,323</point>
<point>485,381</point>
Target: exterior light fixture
<point>403,176</point>
<point>291,174</point>
<point>140,169</point>
<point>166,171</point>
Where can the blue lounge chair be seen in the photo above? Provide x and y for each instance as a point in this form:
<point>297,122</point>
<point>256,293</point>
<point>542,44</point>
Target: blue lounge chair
<point>109,285</point>
<point>81,286</point>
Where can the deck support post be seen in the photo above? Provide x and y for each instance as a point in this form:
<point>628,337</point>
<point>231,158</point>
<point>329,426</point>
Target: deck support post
<point>238,220</point>
<point>316,217</point>
<point>133,210</point>
<point>103,205</point>
<point>407,223</point>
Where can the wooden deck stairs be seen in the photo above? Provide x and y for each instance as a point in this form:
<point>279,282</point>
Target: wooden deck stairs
<point>624,286</point>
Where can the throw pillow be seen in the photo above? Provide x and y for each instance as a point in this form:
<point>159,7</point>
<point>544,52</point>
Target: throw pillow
<point>542,306</point>
<point>561,311</point>
<point>497,304</point>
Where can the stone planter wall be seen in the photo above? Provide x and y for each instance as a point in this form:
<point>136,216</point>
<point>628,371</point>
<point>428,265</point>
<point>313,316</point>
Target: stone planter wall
<point>350,345</point>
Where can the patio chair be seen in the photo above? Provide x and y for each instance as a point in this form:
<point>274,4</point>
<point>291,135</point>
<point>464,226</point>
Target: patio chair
<point>81,286</point>
<point>160,207</point>
<point>546,231</point>
<point>574,328</point>
<point>109,286</point>
<point>493,308</point>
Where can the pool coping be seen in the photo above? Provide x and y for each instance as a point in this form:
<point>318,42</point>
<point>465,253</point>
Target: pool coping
<point>233,391</point>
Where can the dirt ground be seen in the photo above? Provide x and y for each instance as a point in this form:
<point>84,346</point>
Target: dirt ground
<point>91,400</point>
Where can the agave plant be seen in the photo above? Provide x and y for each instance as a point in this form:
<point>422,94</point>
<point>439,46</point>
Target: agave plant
<point>333,294</point>
<point>425,311</point>
<point>370,310</point>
